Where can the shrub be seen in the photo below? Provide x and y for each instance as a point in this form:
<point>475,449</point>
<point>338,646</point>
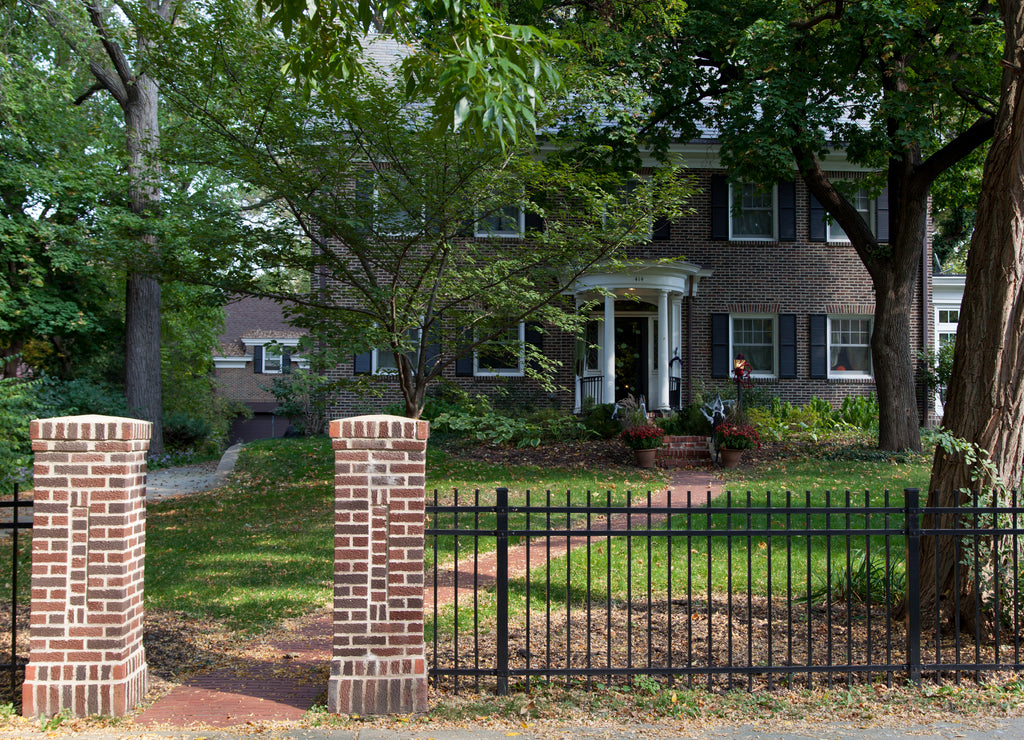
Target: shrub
<point>57,397</point>
<point>302,397</point>
<point>17,408</point>
<point>687,422</point>
<point>182,431</point>
<point>598,419</point>
<point>860,411</point>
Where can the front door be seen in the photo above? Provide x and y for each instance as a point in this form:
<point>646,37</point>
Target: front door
<point>631,350</point>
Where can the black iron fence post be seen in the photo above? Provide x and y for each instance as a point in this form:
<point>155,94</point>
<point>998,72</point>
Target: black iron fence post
<point>913,524</point>
<point>501,586</point>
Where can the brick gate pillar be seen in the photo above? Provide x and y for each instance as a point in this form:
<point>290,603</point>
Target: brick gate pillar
<point>88,549</point>
<point>379,664</point>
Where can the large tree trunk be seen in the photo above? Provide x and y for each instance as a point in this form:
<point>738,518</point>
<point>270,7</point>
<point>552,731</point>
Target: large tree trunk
<point>895,278</point>
<point>984,401</point>
<point>143,388</point>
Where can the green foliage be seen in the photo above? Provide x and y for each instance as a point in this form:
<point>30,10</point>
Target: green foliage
<point>56,397</point>
<point>496,429</point>
<point>17,408</point>
<point>415,271</point>
<point>859,411</point>
<point>860,580</point>
<point>936,368</point>
<point>598,419</point>
<point>686,422</point>
<point>302,397</point>
<point>182,431</point>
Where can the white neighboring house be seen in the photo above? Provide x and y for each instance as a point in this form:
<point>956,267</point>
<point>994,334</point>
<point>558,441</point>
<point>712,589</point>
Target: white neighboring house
<point>947,295</point>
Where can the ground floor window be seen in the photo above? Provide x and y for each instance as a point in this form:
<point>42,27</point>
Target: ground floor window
<point>754,337</point>
<point>502,356</point>
<point>849,347</point>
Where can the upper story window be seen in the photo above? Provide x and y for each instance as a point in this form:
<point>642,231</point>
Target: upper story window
<point>272,360</point>
<point>849,347</point>
<point>507,222</point>
<point>752,212</point>
<point>754,337</point>
<point>274,356</point>
<point>860,200</point>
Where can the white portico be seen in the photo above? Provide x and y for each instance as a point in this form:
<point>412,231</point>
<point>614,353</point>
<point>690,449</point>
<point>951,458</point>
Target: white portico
<point>635,339</point>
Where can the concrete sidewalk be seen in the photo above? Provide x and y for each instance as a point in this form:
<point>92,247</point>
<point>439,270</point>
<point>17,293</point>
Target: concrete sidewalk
<point>969,729</point>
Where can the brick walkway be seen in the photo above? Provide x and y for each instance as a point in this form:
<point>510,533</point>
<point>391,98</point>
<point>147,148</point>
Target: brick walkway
<point>284,687</point>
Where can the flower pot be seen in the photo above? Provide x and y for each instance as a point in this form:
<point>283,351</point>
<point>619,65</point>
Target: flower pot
<point>731,457</point>
<point>646,458</point>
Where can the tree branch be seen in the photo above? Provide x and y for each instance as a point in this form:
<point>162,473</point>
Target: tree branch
<point>956,150</point>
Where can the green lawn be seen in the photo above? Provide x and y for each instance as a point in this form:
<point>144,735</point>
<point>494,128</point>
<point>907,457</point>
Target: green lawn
<point>259,549</point>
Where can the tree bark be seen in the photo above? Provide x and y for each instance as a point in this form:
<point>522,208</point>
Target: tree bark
<point>143,387</point>
<point>984,401</point>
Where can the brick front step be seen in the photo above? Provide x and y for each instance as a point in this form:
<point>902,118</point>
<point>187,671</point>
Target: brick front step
<point>683,450</point>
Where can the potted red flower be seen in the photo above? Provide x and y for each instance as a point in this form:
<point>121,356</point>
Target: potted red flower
<point>732,439</point>
<point>644,440</point>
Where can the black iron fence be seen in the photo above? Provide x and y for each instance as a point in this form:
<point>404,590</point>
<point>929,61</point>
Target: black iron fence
<point>792,590</point>
<point>15,515</point>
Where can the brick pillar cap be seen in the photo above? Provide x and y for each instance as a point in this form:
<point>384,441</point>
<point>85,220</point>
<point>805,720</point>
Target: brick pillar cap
<point>376,426</point>
<point>90,426</point>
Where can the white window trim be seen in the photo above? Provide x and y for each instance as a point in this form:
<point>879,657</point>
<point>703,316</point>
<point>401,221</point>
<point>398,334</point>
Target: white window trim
<point>483,234</point>
<point>504,373</point>
<point>775,343</point>
<point>285,344</point>
<point>774,237</point>
<point>848,374</point>
<point>830,222</point>
<point>375,367</point>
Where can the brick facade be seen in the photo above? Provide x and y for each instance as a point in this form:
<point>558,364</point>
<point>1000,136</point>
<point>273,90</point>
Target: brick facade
<point>379,663</point>
<point>88,550</point>
<point>802,278</point>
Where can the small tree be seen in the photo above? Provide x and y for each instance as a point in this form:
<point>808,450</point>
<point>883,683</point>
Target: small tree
<point>401,227</point>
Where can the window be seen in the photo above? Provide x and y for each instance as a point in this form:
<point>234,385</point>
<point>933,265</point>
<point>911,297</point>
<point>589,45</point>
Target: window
<point>849,347</point>
<point>272,360</point>
<point>834,232</point>
<point>754,338</point>
<point>505,222</point>
<point>945,329</point>
<point>752,212</point>
<point>502,356</point>
<point>384,358</point>
<point>274,356</point>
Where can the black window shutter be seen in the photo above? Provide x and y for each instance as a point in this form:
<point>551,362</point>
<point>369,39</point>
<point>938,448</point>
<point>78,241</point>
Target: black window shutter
<point>819,345</point>
<point>787,211</point>
<point>362,364</point>
<point>719,207</point>
<point>882,216</point>
<point>816,224</point>
<point>720,345</point>
<point>257,360</point>
<point>534,221</point>
<point>286,362</point>
<point>433,354</point>
<point>662,229</point>
<point>464,363</point>
<point>787,345</point>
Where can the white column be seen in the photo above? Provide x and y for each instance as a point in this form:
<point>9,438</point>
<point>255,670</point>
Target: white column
<point>663,350</point>
<point>608,392</point>
<point>676,309</point>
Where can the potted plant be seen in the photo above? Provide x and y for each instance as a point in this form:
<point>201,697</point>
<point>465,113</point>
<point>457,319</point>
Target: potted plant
<point>644,440</point>
<point>732,438</point>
